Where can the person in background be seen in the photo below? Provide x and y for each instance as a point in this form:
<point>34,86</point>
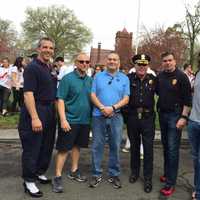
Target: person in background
<point>18,82</point>
<point>97,69</point>
<point>62,68</point>
<point>5,85</point>
<point>189,72</point>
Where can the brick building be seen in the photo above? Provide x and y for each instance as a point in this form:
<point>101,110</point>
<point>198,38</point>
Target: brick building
<point>123,46</point>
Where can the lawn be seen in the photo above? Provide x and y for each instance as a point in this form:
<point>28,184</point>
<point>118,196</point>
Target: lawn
<point>10,121</point>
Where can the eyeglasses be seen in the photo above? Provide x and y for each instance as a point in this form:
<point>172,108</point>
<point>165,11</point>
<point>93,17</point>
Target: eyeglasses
<point>110,81</point>
<point>142,65</point>
<point>84,61</point>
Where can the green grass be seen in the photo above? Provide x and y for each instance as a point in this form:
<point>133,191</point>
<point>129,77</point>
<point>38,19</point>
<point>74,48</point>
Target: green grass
<point>9,121</point>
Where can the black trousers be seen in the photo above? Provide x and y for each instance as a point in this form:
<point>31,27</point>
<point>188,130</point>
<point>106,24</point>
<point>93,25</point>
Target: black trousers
<point>18,98</point>
<point>37,147</point>
<point>141,129</point>
<point>4,97</point>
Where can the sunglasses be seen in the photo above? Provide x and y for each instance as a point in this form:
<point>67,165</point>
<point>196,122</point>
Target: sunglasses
<point>142,65</point>
<point>110,81</point>
<point>84,61</point>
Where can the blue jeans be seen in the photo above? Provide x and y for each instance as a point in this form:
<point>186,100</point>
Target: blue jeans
<point>113,127</point>
<point>194,137</point>
<point>171,138</point>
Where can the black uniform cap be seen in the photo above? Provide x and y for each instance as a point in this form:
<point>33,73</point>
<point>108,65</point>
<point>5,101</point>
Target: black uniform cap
<point>141,59</point>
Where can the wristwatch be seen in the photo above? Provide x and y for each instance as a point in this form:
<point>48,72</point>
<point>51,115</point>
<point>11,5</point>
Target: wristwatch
<point>101,108</point>
<point>184,117</point>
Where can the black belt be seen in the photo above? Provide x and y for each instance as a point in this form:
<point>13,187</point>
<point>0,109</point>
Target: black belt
<point>142,112</point>
<point>45,103</point>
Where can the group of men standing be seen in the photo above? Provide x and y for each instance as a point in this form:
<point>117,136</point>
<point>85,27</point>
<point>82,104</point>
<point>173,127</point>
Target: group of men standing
<point>107,93</point>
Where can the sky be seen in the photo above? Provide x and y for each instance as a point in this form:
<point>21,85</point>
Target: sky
<point>106,17</point>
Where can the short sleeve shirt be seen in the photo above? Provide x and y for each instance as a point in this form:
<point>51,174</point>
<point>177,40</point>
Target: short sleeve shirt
<point>38,79</point>
<point>6,77</point>
<point>75,91</point>
<point>110,89</point>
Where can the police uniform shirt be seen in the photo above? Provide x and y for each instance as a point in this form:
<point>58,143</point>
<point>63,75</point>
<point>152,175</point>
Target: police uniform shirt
<point>142,92</point>
<point>38,79</point>
<point>174,91</point>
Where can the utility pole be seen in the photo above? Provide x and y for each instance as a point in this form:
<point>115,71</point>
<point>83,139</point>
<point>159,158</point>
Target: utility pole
<point>138,27</point>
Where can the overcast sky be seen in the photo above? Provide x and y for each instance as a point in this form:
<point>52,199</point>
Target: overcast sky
<point>106,17</point>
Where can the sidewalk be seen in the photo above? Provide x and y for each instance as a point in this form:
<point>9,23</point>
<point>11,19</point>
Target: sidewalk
<point>12,134</point>
<point>11,182</point>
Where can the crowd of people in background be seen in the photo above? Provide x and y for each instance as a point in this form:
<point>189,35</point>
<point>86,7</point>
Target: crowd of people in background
<point>114,97</point>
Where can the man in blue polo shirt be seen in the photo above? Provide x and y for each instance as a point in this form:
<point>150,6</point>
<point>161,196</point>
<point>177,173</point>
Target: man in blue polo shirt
<point>74,108</point>
<point>110,92</point>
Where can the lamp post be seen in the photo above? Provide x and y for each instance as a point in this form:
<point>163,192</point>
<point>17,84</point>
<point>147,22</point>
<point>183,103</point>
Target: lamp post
<point>138,27</point>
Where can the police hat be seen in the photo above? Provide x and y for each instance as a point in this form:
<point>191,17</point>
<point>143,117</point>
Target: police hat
<point>141,59</point>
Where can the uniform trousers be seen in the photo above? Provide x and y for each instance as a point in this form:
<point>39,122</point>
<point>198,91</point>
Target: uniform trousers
<point>141,129</point>
<point>37,146</point>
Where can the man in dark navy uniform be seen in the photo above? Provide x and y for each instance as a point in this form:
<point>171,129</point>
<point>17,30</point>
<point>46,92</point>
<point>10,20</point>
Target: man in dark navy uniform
<point>37,122</point>
<point>141,119</point>
<point>174,92</point>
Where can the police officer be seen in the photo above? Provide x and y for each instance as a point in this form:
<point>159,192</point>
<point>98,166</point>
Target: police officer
<point>37,119</point>
<point>174,92</point>
<point>141,119</point>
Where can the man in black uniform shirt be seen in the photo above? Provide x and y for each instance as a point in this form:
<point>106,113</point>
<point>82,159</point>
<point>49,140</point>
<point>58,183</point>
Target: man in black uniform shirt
<point>174,92</point>
<point>141,119</point>
<point>37,122</point>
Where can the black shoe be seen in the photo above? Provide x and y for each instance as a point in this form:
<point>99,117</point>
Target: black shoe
<point>133,178</point>
<point>95,180</point>
<point>147,186</point>
<point>77,176</point>
<point>44,181</point>
<point>34,195</point>
<point>115,181</point>
<point>57,184</point>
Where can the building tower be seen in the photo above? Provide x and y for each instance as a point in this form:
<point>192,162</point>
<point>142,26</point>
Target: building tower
<point>123,46</point>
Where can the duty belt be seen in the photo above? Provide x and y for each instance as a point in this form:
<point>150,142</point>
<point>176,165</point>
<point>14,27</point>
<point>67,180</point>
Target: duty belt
<point>142,111</point>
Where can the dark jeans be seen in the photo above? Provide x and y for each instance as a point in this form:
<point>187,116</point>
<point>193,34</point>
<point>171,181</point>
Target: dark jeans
<point>37,147</point>
<point>4,96</point>
<point>171,137</point>
<point>141,129</point>
<point>18,98</point>
<point>194,137</point>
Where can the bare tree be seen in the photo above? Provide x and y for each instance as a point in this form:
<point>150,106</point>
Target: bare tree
<point>159,40</point>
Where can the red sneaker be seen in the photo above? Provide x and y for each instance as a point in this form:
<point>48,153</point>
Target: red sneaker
<point>162,179</point>
<point>167,191</point>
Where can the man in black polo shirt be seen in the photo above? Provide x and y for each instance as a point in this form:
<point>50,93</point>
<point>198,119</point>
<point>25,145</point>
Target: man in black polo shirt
<point>37,122</point>
<point>141,119</point>
<point>174,92</point>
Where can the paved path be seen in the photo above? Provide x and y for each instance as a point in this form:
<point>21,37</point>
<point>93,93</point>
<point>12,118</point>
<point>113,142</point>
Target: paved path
<point>11,182</point>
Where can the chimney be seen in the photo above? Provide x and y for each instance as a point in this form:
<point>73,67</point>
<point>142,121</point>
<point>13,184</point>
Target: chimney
<point>98,52</point>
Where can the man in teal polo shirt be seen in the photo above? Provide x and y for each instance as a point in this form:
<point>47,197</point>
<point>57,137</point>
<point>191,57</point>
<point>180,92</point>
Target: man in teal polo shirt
<point>74,108</point>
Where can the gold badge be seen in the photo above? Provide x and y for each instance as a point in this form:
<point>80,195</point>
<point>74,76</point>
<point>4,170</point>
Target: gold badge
<point>174,81</point>
<point>142,57</point>
<point>150,82</point>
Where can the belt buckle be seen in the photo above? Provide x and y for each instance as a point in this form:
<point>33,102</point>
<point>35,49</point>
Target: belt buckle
<point>139,115</point>
<point>139,112</point>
